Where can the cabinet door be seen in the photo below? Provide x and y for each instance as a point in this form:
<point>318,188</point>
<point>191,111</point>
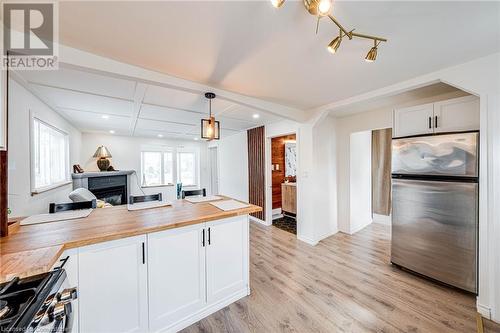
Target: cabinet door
<point>112,281</point>
<point>227,257</point>
<point>176,260</point>
<point>458,114</point>
<point>413,120</point>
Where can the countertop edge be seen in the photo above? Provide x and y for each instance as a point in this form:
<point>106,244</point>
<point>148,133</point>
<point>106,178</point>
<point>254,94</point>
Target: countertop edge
<point>39,260</point>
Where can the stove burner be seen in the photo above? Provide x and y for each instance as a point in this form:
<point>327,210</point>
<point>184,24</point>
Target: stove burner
<point>4,308</point>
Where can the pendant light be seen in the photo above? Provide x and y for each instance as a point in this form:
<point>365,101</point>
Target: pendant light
<point>210,128</point>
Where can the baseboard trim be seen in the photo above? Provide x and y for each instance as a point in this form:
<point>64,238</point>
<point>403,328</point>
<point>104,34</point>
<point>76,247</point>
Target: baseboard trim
<point>253,218</point>
<point>327,234</point>
<point>361,227</point>
<point>206,311</point>
<point>307,240</point>
<point>484,310</point>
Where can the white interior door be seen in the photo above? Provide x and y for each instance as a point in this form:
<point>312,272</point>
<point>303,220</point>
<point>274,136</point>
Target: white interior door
<point>176,261</point>
<point>112,285</point>
<point>214,170</point>
<point>227,257</point>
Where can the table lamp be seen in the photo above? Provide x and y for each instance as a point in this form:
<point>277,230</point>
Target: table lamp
<point>102,154</point>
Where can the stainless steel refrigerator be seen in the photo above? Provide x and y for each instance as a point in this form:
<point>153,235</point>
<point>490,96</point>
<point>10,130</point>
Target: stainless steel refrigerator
<point>435,207</point>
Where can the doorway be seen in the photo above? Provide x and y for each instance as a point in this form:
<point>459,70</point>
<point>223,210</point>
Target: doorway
<point>214,170</point>
<point>284,182</point>
<point>370,178</point>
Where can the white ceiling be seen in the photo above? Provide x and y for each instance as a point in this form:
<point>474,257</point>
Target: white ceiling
<point>100,103</point>
<point>253,49</point>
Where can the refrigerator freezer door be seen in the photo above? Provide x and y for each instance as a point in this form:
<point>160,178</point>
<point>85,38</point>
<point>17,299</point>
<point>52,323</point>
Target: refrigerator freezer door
<point>434,230</point>
<point>439,155</point>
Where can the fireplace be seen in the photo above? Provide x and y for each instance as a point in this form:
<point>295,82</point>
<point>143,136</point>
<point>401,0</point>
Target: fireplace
<point>111,187</point>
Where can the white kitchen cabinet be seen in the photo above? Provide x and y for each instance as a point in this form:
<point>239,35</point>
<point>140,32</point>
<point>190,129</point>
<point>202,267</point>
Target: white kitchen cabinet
<point>176,260</point>
<point>453,115</point>
<point>112,284</point>
<point>458,114</point>
<point>414,120</point>
<point>227,257</point>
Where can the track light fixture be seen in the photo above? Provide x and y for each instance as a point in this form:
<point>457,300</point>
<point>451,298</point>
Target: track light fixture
<point>371,56</point>
<point>334,44</point>
<point>277,3</point>
<point>323,8</point>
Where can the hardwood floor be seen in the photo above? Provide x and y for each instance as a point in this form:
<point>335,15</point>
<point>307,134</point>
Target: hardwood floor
<point>344,284</point>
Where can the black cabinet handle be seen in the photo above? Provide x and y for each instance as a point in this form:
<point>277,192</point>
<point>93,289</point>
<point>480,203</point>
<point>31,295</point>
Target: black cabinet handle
<point>143,253</point>
<point>430,122</point>
<point>435,121</point>
<point>203,237</point>
<point>208,236</point>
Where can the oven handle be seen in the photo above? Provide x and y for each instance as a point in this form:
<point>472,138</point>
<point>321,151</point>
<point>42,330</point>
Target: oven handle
<point>63,262</point>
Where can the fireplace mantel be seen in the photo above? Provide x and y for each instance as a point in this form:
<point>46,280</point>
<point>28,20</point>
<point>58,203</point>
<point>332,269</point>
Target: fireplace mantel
<point>101,174</point>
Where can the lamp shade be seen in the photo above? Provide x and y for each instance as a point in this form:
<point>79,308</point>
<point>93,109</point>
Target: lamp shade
<point>102,152</point>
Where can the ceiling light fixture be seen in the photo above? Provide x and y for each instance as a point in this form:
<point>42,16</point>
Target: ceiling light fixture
<point>210,127</point>
<point>371,56</point>
<point>256,116</point>
<point>160,135</point>
<point>323,8</point>
<point>334,44</point>
<point>277,3</point>
<point>105,116</point>
<point>112,131</point>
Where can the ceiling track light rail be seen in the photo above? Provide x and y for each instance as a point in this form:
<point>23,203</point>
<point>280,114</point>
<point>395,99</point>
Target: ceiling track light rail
<point>323,8</point>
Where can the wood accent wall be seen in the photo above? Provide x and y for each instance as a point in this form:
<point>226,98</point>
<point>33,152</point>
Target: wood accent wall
<point>257,169</point>
<point>381,171</point>
<point>278,157</point>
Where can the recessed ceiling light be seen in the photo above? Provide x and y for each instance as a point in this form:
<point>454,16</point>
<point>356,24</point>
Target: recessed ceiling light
<point>160,135</point>
<point>105,116</point>
<point>256,116</point>
<point>195,139</point>
<point>112,131</point>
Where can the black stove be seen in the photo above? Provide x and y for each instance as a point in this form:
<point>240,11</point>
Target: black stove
<point>30,303</point>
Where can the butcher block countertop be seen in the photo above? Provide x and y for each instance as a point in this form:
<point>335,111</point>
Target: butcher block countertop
<point>33,249</point>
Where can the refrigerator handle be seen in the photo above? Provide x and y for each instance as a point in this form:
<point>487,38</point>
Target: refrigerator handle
<point>435,121</point>
<point>430,122</point>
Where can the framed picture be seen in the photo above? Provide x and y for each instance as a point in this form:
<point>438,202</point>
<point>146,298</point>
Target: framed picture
<point>3,109</point>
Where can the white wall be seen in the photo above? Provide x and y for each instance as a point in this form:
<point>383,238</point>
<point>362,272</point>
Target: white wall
<point>21,102</point>
<point>233,165</point>
<point>126,152</point>
<point>360,180</point>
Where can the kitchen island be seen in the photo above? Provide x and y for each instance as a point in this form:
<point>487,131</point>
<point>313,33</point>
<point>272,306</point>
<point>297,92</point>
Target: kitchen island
<point>158,269</point>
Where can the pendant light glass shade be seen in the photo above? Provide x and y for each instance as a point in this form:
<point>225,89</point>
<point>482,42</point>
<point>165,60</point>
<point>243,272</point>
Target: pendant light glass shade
<point>210,128</point>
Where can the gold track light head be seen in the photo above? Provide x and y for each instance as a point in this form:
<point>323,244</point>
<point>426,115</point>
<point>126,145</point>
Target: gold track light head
<point>371,56</point>
<point>277,3</point>
<point>324,7</point>
<point>334,44</point>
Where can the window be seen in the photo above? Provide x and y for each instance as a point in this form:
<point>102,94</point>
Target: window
<point>50,156</point>
<point>157,168</point>
<point>186,165</point>
<point>161,166</point>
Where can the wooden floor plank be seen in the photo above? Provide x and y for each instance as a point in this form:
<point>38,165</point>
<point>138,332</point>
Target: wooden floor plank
<point>344,284</point>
